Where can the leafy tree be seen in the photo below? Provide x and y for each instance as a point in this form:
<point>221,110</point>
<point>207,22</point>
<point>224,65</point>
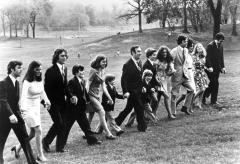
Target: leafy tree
<point>137,9</point>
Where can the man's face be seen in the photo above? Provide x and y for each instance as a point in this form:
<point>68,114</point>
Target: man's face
<point>17,71</point>
<point>80,74</point>
<point>112,83</point>
<point>153,56</point>
<point>137,53</point>
<point>220,41</point>
<point>184,43</point>
<point>62,58</point>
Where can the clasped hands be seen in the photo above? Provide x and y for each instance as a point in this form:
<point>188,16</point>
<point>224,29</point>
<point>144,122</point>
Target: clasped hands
<point>74,100</point>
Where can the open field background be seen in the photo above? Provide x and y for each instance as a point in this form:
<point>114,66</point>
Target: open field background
<point>208,136</point>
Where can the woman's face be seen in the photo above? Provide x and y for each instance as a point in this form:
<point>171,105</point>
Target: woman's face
<point>103,63</point>
<point>38,71</point>
<point>164,52</point>
<point>199,48</point>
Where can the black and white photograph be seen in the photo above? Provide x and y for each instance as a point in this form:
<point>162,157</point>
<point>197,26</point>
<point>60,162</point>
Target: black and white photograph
<point>119,81</point>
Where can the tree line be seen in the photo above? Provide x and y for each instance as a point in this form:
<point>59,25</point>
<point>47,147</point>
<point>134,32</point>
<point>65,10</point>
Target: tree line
<point>48,15</point>
<point>200,14</point>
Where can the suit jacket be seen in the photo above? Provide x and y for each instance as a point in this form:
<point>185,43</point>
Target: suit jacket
<point>146,97</point>
<point>148,65</point>
<point>183,65</point>
<point>114,94</point>
<point>9,98</point>
<point>78,90</point>
<point>214,57</point>
<point>131,80</point>
<point>56,86</point>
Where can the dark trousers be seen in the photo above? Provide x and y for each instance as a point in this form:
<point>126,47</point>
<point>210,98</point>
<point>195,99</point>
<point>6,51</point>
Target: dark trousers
<point>22,135</point>
<point>57,129</point>
<point>78,115</point>
<point>212,86</point>
<point>134,101</point>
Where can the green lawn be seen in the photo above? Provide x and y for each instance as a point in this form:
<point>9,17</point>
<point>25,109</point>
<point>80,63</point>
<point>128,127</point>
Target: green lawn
<point>207,136</point>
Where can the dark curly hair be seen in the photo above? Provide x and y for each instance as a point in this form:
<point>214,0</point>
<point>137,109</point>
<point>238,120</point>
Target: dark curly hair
<point>161,57</point>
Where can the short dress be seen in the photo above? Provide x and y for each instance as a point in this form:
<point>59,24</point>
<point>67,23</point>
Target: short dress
<point>200,77</point>
<point>162,77</point>
<point>96,78</point>
<point>32,94</point>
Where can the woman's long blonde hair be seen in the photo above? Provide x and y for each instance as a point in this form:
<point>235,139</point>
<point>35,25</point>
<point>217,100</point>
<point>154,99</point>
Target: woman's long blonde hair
<point>195,49</point>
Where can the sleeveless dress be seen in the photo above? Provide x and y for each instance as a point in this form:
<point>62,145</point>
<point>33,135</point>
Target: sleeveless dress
<point>32,94</point>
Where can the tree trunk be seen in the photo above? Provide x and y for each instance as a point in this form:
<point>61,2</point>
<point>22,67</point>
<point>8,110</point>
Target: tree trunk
<point>185,29</point>
<point>10,30</point>
<point>33,30</point>
<point>216,13</point>
<point>233,11</point>
<point>140,21</point>
<point>27,30</point>
<point>16,32</point>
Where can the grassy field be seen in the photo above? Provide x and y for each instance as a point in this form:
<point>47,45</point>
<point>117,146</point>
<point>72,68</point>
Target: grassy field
<point>208,136</point>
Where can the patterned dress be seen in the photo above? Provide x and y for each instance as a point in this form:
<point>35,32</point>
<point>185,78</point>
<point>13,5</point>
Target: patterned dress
<point>200,77</point>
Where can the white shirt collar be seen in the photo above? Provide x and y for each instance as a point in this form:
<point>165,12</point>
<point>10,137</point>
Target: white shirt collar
<point>180,47</point>
<point>79,79</point>
<point>60,67</point>
<point>135,61</point>
<point>13,79</point>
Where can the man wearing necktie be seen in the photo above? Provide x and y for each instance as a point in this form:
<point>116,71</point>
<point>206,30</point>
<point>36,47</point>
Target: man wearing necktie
<point>183,75</point>
<point>56,89</point>
<point>131,82</point>
<point>215,66</point>
<point>10,115</point>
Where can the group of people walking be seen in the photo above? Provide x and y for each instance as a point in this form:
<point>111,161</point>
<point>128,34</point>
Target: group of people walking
<point>187,67</point>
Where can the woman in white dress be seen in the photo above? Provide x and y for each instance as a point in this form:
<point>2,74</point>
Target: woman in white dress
<point>32,94</point>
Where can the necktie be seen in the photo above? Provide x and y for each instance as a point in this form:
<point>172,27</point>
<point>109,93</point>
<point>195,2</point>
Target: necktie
<point>183,55</point>
<point>16,87</point>
<point>63,74</point>
<point>139,65</point>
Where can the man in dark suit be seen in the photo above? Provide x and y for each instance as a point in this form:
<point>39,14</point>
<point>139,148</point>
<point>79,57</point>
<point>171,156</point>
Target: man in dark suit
<point>215,65</point>
<point>57,92</point>
<point>10,115</point>
<point>131,82</point>
<point>76,111</point>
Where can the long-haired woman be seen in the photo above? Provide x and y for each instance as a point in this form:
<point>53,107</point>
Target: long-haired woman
<point>94,84</point>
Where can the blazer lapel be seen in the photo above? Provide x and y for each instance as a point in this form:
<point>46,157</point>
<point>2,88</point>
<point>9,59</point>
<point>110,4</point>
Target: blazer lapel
<point>134,65</point>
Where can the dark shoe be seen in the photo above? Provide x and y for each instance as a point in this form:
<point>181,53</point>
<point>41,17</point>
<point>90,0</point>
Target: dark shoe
<point>119,133</point>
<point>61,150</point>
<point>45,146</point>
<point>174,114</point>
<point>14,149</point>
<point>184,110</point>
<point>84,137</point>
<point>111,137</point>
<point>142,130</point>
<point>95,143</point>
<point>216,105</point>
